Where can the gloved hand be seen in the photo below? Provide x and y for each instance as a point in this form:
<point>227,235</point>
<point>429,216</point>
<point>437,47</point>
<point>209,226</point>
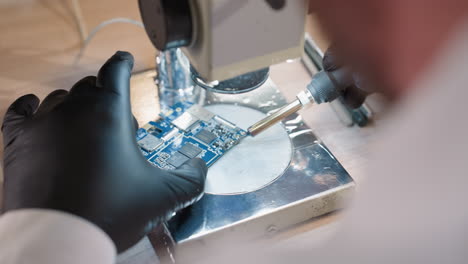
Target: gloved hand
<point>355,94</point>
<point>77,153</point>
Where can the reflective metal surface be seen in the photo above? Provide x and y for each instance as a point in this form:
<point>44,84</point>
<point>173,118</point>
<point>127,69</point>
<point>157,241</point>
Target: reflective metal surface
<point>250,165</point>
<point>240,84</point>
<point>311,184</point>
<point>313,178</point>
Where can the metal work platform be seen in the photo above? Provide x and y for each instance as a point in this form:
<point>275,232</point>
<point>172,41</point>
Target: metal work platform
<point>264,185</point>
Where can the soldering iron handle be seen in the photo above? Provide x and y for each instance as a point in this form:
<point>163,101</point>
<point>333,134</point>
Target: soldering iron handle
<point>327,86</point>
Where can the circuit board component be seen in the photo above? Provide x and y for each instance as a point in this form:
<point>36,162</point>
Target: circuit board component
<point>184,132</point>
<point>190,150</point>
<point>206,136</point>
<point>150,143</point>
<point>177,159</point>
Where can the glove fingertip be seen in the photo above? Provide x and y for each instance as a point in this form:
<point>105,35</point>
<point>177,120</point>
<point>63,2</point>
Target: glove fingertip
<point>115,74</point>
<point>83,82</point>
<point>51,101</point>
<point>58,92</point>
<point>354,97</point>
<point>198,164</point>
<point>119,59</point>
<point>330,63</point>
<point>124,56</point>
<point>20,109</point>
<point>192,175</point>
<point>330,59</point>
<point>26,105</point>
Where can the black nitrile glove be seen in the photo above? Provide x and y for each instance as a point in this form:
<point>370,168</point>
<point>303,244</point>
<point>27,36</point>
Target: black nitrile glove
<point>77,153</point>
<point>354,95</point>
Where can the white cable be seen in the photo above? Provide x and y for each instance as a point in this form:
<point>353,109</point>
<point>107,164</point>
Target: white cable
<point>79,19</point>
<point>102,25</point>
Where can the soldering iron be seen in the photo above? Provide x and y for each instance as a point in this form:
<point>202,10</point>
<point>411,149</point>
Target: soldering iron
<point>324,88</point>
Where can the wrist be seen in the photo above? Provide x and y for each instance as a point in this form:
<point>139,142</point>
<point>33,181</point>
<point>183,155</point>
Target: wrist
<point>44,233</point>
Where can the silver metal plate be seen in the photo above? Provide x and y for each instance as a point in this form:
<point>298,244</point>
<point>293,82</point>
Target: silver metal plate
<point>312,183</point>
<point>255,162</point>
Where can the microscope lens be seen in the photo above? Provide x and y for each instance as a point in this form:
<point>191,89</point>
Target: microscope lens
<point>240,84</point>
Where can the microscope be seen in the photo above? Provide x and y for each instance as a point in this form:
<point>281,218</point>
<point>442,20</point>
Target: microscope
<point>231,44</point>
<point>277,177</point>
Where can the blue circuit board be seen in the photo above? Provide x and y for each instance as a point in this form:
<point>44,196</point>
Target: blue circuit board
<point>184,132</point>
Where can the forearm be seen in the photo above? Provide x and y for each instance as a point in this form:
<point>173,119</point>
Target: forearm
<point>47,236</point>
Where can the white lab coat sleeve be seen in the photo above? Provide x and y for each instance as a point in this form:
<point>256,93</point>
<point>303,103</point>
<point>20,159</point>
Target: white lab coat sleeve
<point>52,237</point>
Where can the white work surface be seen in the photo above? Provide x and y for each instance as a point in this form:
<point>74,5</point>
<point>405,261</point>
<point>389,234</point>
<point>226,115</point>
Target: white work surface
<point>40,39</point>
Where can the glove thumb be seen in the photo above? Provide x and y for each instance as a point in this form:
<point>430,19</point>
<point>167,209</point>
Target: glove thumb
<point>179,188</point>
